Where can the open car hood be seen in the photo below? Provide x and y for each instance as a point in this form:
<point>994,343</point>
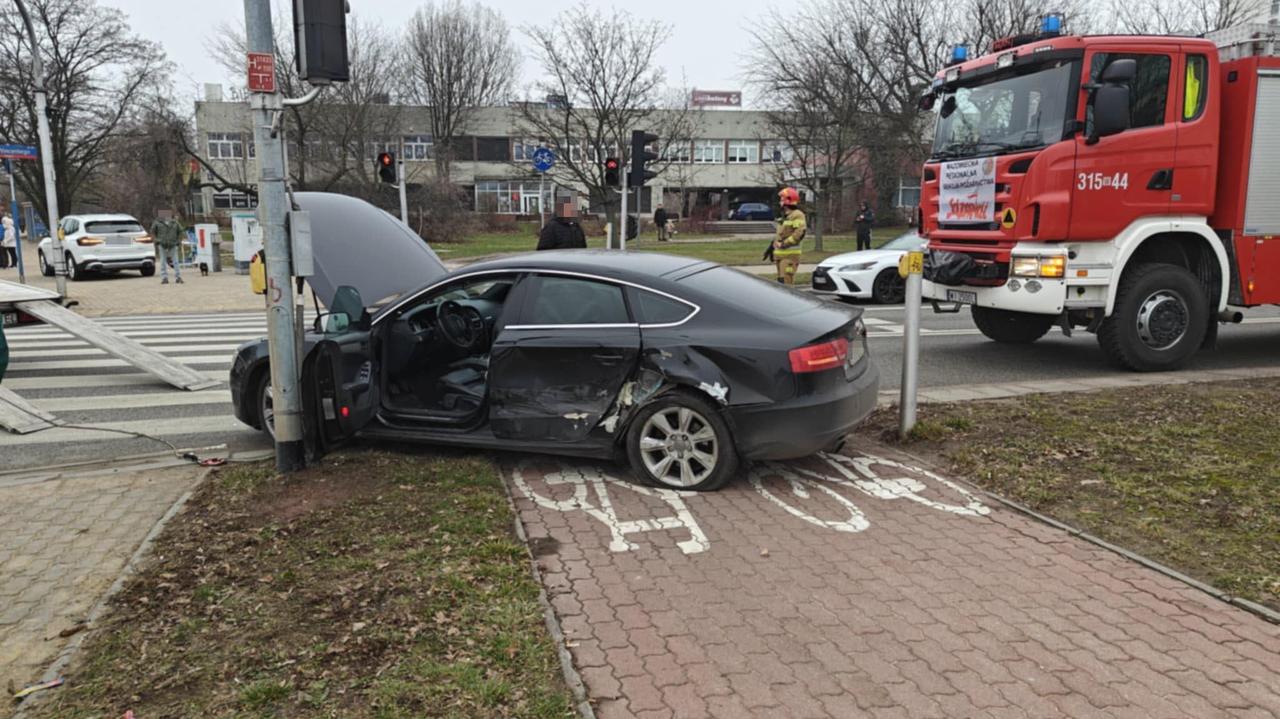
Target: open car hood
<point>356,244</point>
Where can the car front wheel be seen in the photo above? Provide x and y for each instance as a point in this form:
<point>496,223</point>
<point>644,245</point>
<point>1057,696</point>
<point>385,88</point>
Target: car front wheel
<point>266,405</point>
<point>889,288</point>
<point>681,442</point>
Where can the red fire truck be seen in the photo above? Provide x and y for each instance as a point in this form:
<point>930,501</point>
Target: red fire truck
<point>1129,185</point>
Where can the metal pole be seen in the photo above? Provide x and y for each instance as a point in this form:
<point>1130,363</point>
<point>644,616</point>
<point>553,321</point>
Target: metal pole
<point>542,200</point>
<point>625,171</point>
<point>404,203</point>
<point>272,209</point>
<point>46,153</point>
<point>914,262</point>
<point>17,235</point>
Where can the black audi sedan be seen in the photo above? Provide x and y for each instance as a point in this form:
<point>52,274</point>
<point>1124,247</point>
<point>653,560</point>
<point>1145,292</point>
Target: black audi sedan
<point>684,366</point>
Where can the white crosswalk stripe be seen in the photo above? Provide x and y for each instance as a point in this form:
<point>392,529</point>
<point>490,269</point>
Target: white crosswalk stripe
<point>82,385</point>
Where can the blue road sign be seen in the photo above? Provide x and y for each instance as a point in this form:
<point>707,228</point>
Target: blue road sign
<point>18,152</point>
<point>543,159</point>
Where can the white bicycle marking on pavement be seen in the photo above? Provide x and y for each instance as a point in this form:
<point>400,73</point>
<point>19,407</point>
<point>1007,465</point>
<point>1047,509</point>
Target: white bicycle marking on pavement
<point>857,521</point>
<point>584,479</point>
<point>898,487</point>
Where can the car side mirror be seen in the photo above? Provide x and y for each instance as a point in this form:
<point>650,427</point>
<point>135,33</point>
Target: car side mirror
<point>336,323</point>
<point>925,103</point>
<point>1110,111</point>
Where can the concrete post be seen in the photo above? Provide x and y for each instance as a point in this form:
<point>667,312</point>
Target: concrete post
<point>272,210</point>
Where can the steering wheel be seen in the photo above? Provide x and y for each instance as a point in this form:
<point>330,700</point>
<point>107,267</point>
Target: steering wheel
<point>461,325</point>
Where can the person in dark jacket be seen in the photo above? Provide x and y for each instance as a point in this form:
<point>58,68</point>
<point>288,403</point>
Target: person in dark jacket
<point>660,222</point>
<point>863,222</point>
<point>563,232</point>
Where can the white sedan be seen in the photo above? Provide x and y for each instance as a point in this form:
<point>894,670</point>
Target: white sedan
<point>100,243</point>
<point>867,274</point>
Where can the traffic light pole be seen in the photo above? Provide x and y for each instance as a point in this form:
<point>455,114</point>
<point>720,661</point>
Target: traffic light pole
<point>272,210</point>
<point>400,173</point>
<point>46,155</point>
<point>626,226</point>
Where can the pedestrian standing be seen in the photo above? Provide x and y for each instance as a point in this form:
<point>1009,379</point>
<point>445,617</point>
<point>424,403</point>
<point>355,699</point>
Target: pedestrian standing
<point>563,232</point>
<point>791,231</point>
<point>865,220</point>
<point>660,221</point>
<point>167,233</point>
<point>8,244</point>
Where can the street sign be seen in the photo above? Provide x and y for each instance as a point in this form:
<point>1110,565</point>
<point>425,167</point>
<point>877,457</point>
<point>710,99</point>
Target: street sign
<point>262,72</point>
<point>543,159</point>
<point>18,152</point>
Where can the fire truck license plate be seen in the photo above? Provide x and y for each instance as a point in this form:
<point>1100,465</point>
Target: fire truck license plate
<point>964,298</point>
<point>10,319</point>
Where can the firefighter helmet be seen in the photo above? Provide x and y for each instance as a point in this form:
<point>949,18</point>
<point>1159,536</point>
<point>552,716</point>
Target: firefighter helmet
<point>789,197</point>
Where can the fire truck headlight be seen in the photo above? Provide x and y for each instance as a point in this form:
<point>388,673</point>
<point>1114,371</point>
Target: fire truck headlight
<point>1055,266</point>
<point>1026,267</point>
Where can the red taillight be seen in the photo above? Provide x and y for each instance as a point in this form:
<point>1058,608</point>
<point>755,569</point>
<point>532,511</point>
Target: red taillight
<point>819,357</point>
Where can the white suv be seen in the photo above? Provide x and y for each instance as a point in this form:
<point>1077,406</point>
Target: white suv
<point>101,243</point>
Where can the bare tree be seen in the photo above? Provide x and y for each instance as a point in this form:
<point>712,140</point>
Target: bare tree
<point>600,83</point>
<point>1194,17</point>
<point>99,76</point>
<point>147,168</point>
<point>460,58</point>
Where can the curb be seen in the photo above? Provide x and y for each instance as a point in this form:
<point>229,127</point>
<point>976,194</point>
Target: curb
<point>571,676</point>
<point>95,613</point>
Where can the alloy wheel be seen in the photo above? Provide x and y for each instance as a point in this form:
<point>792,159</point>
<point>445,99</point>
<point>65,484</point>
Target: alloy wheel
<point>679,447</point>
<point>266,408</point>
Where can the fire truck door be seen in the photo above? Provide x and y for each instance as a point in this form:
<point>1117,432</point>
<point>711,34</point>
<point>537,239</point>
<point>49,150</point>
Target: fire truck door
<point>1129,175</point>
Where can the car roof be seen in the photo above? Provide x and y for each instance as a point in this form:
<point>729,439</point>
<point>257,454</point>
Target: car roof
<point>102,218</point>
<point>633,266</point>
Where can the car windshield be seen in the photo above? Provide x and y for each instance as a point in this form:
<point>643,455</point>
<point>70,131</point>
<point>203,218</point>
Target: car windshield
<point>1020,111</point>
<point>909,241</point>
<point>113,227</point>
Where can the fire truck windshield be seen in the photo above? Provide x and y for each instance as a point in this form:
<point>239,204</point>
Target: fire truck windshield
<point>1023,109</point>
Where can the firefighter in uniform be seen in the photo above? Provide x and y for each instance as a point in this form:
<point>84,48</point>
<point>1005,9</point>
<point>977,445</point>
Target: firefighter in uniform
<point>791,230</point>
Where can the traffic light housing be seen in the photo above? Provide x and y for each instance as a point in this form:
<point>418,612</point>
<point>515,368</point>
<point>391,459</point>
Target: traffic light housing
<point>387,167</point>
<point>320,41</point>
<point>641,157</point>
<point>612,168</point>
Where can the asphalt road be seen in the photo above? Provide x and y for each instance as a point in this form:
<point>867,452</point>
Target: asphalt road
<point>83,386</point>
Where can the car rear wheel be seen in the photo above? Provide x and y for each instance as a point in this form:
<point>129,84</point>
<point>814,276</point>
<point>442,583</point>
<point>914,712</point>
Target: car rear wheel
<point>74,273</point>
<point>147,270</point>
<point>1013,328</point>
<point>681,442</point>
<point>266,405</point>
<point>1160,319</point>
<point>46,269</point>
<point>889,288</point>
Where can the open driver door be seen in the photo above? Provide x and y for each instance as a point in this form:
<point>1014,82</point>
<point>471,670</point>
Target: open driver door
<point>340,376</point>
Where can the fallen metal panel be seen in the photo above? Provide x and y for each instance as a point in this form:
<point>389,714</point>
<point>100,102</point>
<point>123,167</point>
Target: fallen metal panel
<point>131,351</point>
<point>19,417</point>
<point>14,292</point>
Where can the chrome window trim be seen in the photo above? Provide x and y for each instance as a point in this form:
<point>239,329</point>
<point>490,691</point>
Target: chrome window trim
<point>565,273</point>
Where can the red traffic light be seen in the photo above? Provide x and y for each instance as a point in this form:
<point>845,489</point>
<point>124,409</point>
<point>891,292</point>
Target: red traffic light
<point>385,159</point>
<point>611,164</point>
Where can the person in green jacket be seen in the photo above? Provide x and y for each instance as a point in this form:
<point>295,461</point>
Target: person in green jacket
<point>167,232</point>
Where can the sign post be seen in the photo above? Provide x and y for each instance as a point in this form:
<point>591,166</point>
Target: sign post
<point>911,267</point>
<point>9,153</point>
<point>543,160</point>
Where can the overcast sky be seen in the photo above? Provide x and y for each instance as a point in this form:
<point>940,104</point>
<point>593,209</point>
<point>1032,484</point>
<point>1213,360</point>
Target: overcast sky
<point>706,45</point>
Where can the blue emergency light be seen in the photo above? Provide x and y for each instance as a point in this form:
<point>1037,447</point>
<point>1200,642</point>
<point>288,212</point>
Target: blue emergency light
<point>1051,24</point>
<point>959,53</point>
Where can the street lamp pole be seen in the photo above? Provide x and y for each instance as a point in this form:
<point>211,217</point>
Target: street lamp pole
<point>46,152</point>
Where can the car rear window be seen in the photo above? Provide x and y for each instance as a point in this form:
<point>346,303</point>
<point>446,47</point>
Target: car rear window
<point>763,297</point>
<point>113,227</point>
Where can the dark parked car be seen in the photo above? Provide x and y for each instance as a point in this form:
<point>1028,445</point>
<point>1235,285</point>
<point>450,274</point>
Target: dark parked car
<point>685,366</point>
<point>752,211</point>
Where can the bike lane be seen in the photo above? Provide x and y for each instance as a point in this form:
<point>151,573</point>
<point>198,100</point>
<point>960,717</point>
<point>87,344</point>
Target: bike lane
<point>860,585</point>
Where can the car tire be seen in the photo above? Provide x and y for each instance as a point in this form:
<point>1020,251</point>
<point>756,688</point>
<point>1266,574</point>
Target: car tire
<point>681,442</point>
<point>1011,328</point>
<point>147,270</point>
<point>74,273</point>
<point>889,288</point>
<point>1160,319</point>
<point>46,269</point>
<point>263,403</point>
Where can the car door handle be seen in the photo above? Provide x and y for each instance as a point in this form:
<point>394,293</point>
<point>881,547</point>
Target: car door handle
<point>607,358</point>
<point>1162,180</point>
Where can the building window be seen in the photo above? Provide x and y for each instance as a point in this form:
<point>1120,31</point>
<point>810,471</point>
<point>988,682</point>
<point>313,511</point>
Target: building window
<point>506,197</point>
<point>377,147</point>
<point>417,148</point>
<point>493,149</point>
<point>227,146</point>
<point>909,192</point>
<point>524,149</point>
<point>232,200</point>
<point>777,151</point>
<point>678,152</point>
<point>709,152</point>
<point>744,152</point>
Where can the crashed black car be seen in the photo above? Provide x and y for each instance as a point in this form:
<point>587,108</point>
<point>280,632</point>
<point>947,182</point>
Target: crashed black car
<point>685,366</point>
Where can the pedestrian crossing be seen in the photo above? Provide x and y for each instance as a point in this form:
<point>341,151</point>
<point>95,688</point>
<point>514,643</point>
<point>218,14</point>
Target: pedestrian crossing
<point>83,385</point>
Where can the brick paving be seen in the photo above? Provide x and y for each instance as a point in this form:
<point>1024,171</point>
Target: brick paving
<point>63,542</point>
<point>862,587</point>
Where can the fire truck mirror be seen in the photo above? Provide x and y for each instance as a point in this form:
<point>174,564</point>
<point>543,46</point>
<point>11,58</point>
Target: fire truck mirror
<point>925,103</point>
<point>1120,72</point>
<point>1110,110</point>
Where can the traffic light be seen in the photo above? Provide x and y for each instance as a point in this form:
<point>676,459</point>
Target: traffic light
<point>611,176</point>
<point>387,167</point>
<point>320,40</point>
<point>640,158</point>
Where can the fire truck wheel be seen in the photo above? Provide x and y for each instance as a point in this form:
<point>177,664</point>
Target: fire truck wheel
<point>1160,318</point>
<point>1012,328</point>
